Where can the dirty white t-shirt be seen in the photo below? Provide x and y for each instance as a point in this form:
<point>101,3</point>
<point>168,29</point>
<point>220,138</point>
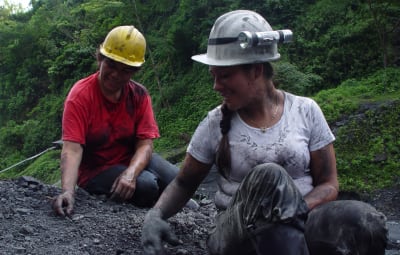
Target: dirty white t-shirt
<point>301,129</point>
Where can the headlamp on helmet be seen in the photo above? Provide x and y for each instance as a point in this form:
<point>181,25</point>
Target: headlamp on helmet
<point>253,39</point>
<point>242,37</point>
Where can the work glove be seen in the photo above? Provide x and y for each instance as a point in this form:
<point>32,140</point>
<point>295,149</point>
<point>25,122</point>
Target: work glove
<point>63,204</point>
<point>155,231</point>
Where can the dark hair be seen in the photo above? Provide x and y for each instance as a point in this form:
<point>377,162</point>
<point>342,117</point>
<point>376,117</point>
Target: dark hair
<point>99,56</point>
<point>223,155</point>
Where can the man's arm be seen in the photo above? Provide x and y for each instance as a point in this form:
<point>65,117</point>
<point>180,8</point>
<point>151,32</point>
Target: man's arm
<point>71,156</point>
<point>141,158</point>
<point>324,173</point>
<point>125,185</point>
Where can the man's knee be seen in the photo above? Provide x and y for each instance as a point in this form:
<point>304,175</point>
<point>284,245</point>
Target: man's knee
<point>147,190</point>
<point>102,183</point>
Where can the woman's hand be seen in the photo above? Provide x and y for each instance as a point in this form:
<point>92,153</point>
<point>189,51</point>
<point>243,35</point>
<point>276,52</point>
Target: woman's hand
<point>156,231</point>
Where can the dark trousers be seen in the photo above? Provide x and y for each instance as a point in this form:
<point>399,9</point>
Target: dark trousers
<point>268,216</point>
<point>149,184</point>
<point>346,227</point>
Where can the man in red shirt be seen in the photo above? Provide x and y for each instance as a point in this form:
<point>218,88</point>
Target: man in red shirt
<point>108,129</point>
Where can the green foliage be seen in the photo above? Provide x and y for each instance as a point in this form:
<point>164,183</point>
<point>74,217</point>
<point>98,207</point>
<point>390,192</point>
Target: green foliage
<point>12,137</point>
<point>368,149</point>
<point>339,40</point>
<point>46,168</point>
<point>290,79</point>
<point>347,98</point>
<point>19,140</point>
<point>188,109</point>
<point>68,67</point>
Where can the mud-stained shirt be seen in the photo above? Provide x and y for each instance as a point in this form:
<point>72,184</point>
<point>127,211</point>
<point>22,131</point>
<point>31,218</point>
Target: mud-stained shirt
<point>301,130</point>
<point>107,131</point>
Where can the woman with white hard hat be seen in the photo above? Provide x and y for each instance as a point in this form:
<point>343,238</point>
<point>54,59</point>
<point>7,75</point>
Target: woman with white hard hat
<point>273,150</point>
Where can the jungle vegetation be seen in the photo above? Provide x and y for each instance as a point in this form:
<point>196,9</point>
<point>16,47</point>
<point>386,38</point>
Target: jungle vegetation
<point>345,55</point>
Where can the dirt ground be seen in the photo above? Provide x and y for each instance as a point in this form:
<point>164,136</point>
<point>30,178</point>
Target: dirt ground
<point>100,226</point>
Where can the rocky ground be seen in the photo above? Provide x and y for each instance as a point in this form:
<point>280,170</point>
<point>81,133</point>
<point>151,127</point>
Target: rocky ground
<point>100,226</point>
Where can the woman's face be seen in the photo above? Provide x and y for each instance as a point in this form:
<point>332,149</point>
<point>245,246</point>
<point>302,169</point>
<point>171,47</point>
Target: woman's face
<point>234,84</point>
<point>114,75</point>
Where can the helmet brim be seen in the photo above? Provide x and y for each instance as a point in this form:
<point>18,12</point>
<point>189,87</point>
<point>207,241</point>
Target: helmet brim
<point>120,59</point>
<point>204,59</point>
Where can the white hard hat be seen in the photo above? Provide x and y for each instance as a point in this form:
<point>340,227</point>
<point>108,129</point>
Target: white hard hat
<point>224,47</point>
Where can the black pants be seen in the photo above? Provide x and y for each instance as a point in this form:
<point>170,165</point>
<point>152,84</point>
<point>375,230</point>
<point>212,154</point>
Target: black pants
<point>267,217</point>
<point>149,184</point>
<point>346,227</point>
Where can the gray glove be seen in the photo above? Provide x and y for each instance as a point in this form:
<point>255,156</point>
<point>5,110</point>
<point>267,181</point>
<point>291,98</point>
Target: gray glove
<point>155,231</point>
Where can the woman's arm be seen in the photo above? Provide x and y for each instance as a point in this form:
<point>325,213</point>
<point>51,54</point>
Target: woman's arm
<point>182,188</point>
<point>324,173</point>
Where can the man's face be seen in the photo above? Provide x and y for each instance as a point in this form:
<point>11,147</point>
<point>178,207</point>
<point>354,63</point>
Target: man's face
<point>114,75</point>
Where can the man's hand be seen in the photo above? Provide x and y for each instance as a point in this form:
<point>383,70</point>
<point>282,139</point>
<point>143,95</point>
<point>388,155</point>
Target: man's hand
<point>155,231</point>
<point>63,204</point>
<point>123,188</point>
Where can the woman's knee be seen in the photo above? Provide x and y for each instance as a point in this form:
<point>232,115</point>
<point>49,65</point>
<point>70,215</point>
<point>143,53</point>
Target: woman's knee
<point>272,169</point>
<point>267,172</point>
<point>361,227</point>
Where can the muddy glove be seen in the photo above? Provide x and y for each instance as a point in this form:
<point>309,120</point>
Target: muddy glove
<point>155,231</point>
<point>63,204</point>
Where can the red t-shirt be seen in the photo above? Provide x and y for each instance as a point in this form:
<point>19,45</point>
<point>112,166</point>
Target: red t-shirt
<point>108,131</point>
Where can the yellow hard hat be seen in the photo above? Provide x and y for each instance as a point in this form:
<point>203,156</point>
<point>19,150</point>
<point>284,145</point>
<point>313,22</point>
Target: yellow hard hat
<point>124,44</point>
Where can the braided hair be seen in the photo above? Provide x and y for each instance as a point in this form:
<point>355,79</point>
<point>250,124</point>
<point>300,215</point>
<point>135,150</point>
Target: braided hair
<point>223,155</point>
